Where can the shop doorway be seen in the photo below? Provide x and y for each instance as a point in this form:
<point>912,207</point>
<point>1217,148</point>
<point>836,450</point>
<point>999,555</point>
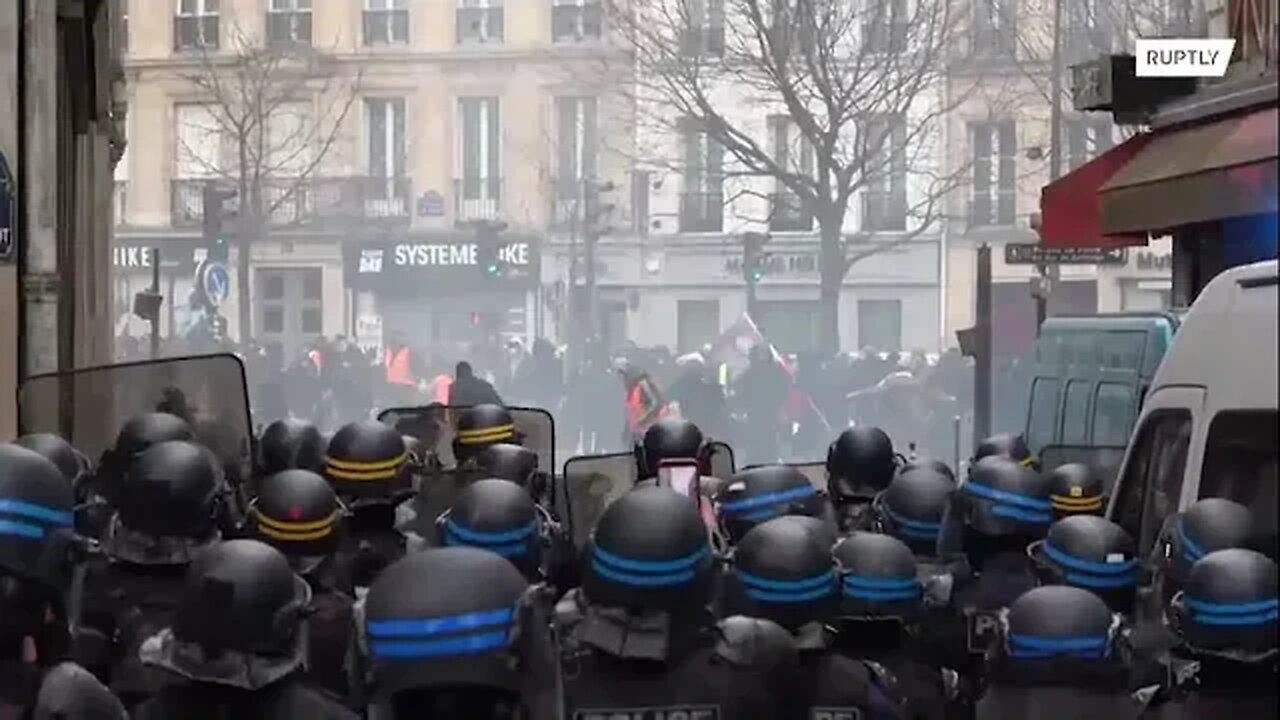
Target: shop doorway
<point>289,309</point>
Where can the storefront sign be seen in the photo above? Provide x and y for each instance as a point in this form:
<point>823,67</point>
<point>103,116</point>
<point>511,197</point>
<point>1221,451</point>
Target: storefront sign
<point>181,254</point>
<point>1154,261</point>
<point>428,254</point>
<point>776,264</point>
<point>435,265</point>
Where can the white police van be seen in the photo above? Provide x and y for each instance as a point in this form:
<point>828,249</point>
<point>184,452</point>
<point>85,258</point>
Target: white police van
<point>1208,424</point>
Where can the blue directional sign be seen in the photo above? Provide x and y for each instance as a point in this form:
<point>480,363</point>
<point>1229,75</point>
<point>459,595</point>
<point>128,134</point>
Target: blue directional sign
<point>215,281</point>
<point>8,213</point>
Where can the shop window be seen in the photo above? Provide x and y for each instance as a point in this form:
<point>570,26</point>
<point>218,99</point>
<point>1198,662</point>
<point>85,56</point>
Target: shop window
<point>272,286</point>
<point>1152,483</point>
<point>1113,415</point>
<point>312,321</point>
<point>1240,462</point>
<point>1043,418</point>
<point>313,284</point>
<point>697,322</point>
<point>1075,413</point>
<point>880,325</point>
<point>273,320</point>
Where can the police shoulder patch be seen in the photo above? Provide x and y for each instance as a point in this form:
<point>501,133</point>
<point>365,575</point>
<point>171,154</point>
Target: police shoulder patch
<point>983,629</point>
<point>673,712</point>
<point>835,713</point>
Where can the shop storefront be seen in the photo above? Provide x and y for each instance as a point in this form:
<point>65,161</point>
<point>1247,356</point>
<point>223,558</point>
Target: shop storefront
<point>1143,283</point>
<point>131,273</point>
<point>434,291</point>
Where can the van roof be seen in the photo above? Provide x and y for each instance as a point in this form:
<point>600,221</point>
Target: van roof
<point>1228,339</point>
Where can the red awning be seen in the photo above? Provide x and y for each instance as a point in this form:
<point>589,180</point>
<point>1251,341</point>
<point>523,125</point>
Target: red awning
<point>1070,213</point>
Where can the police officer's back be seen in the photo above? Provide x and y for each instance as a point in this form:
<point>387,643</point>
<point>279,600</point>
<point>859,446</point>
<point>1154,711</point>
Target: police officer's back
<point>451,635</point>
<point>860,464</point>
<point>783,571</point>
<point>1058,656</point>
<point>290,444</point>
<point>166,509</point>
<point>637,638</point>
<point>911,508</point>
<point>1225,662</point>
<point>237,645</point>
<point>298,513</point>
<point>762,493</point>
<point>139,433</point>
<point>1092,553</point>
<point>37,551</point>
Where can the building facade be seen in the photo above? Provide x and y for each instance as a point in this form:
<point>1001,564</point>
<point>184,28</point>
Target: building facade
<point>405,134</point>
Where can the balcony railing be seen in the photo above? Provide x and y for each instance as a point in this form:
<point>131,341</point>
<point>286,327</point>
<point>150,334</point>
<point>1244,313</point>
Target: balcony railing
<point>477,199</point>
<point>120,201</point>
<point>788,214</point>
<point>702,212</point>
<point>295,202</point>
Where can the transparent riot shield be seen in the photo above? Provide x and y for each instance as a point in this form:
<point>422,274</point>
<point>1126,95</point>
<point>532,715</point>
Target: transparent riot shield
<point>588,485</point>
<point>87,406</point>
<point>434,426</point>
<point>1103,461</point>
<point>815,472</point>
<point>720,460</point>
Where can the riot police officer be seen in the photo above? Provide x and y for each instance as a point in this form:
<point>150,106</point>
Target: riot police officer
<point>784,572</point>
<point>665,440</point>
<point>1006,445</point>
<point>881,608</point>
<point>860,464</point>
<point>1075,488</point>
<point>368,465</point>
<point>498,516</point>
<point>450,634</point>
<point>1225,661</point>
<point>930,464</point>
<point>166,511</point>
<point>1059,656</point>
<point>140,432</point>
<point>911,508</point>
<point>763,493</point>
<point>990,520</point>
<point>1205,526</point>
<point>236,646</point>
<point>480,426</point>
<point>1092,553</point>
<point>37,553</point>
<point>517,464</point>
<point>298,513</point>
<point>637,637</point>
<point>73,465</point>
<point>288,444</point>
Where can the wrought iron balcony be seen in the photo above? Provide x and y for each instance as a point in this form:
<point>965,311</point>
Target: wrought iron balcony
<point>477,198</point>
<point>788,214</point>
<point>289,201</point>
<point>702,212</point>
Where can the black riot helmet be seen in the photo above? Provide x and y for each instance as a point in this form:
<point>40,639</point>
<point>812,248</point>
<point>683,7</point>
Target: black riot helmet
<point>172,490</point>
<point>1229,605</point>
<point>783,571</point>
<point>445,619</point>
<point>1074,489</point>
<point>650,551</point>
<point>242,596</point>
<point>36,534</point>
<point>1205,526</point>
<point>878,578</point>
<point>911,508</point>
<point>288,444</point>
<point>498,516</point>
<point>1089,552</point>
<point>860,463</point>
<point>367,460</point>
<point>61,453</point>
<point>480,426</point>
<point>1003,507</point>
<point>1006,445</point>
<point>935,465</point>
<point>298,513</point>
<point>136,435</point>
<point>667,439</point>
<point>763,493</point>
<point>515,463</point>
<point>1058,622</point>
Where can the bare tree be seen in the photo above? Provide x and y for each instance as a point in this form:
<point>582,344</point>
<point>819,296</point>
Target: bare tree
<point>857,85</point>
<point>274,111</point>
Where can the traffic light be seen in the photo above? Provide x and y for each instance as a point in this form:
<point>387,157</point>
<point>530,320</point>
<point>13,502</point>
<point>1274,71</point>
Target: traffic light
<point>754,259</point>
<point>213,209</point>
<point>489,248</point>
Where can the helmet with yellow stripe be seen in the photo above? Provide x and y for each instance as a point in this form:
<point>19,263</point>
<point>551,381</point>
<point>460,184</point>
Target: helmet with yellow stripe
<point>298,513</point>
<point>480,426</point>
<point>367,459</point>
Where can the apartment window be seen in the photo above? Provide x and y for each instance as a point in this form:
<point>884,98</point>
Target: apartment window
<point>479,21</point>
<point>702,204</point>
<point>387,188</point>
<point>480,148</point>
<point>386,22</point>
<point>1088,30</point>
<point>794,154</point>
<point>196,25</point>
<point>994,170</point>
<point>289,22</point>
<point>576,20</point>
<point>884,27</point>
<point>704,35</point>
<point>203,148</point>
<point>884,199</point>
<point>576,147</point>
<point>1086,138</point>
<point>880,324</point>
<point>995,27</point>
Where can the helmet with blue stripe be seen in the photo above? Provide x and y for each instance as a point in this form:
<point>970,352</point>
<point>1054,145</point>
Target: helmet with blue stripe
<point>498,516</point>
<point>1002,507</point>
<point>446,618</point>
<point>911,508</point>
<point>1092,553</point>
<point>783,571</point>
<point>1058,622</point>
<point>36,519</point>
<point>1205,526</point>
<point>878,578</point>
<point>1229,604</point>
<point>765,492</point>
<point>650,551</point>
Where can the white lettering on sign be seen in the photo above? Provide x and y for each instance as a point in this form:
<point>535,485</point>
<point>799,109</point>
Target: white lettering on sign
<point>370,261</point>
<point>1183,57</point>
<point>447,254</point>
<point>843,713</point>
<point>131,257</point>
<point>686,712</point>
